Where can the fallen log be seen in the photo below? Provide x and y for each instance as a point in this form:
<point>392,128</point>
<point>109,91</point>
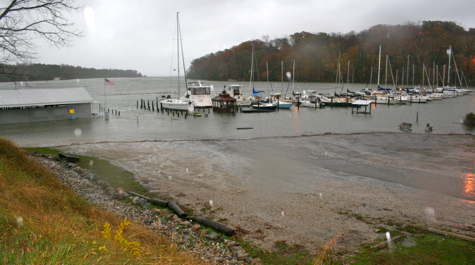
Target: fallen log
<point>216,226</point>
<point>158,202</point>
<point>139,195</point>
<point>383,244</point>
<point>179,212</point>
<point>445,233</point>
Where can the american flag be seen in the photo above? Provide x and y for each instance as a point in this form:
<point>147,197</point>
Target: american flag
<point>108,82</point>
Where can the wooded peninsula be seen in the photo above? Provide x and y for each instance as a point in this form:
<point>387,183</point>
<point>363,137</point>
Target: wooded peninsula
<point>410,46</point>
<point>34,72</point>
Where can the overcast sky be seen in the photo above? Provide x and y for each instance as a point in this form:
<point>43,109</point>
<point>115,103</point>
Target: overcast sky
<point>141,34</point>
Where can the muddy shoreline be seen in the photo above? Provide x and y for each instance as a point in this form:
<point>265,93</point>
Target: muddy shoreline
<point>308,190</point>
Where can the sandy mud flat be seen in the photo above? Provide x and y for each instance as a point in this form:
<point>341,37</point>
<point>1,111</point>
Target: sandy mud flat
<point>308,190</point>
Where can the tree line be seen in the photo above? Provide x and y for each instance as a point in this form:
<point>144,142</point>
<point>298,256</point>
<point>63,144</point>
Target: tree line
<point>317,56</point>
<point>34,72</point>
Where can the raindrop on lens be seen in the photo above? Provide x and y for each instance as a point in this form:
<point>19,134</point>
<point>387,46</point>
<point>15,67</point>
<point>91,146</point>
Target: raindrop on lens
<point>91,163</point>
<point>211,203</point>
<point>77,132</point>
<point>170,177</point>
<point>282,213</point>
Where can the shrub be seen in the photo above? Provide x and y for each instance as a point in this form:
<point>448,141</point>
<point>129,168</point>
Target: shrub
<point>469,119</point>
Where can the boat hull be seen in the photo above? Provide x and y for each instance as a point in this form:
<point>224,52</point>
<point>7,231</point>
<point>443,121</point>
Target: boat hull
<point>171,104</point>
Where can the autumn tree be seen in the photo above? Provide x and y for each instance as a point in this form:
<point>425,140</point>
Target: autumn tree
<point>23,21</point>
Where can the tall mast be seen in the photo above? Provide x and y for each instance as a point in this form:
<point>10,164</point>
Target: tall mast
<point>252,68</point>
<point>182,55</point>
<point>407,70</point>
<point>386,73</point>
<point>348,75</point>
<point>449,52</point>
<point>379,65</point>
<point>337,73</point>
<point>178,49</point>
<point>282,78</point>
<point>443,76</point>
<point>293,77</point>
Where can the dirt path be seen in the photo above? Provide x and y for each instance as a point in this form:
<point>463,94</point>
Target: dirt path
<point>307,190</point>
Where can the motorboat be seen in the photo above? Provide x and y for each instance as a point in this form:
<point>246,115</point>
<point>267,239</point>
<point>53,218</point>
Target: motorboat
<point>235,91</point>
<point>199,94</point>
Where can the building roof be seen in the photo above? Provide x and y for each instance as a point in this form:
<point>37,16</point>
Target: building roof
<point>44,96</point>
<point>223,96</point>
<point>362,102</point>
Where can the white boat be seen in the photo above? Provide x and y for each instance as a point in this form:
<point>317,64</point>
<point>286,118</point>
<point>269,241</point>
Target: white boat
<point>284,104</point>
<point>199,94</point>
<point>177,103</point>
<point>265,106</point>
<point>311,102</point>
<point>419,99</point>
<point>235,91</point>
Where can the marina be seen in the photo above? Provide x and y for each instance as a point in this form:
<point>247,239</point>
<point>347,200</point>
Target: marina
<point>136,123</point>
<point>301,165</point>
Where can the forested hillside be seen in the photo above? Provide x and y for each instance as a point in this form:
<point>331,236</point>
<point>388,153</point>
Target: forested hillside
<point>23,72</point>
<point>316,54</point>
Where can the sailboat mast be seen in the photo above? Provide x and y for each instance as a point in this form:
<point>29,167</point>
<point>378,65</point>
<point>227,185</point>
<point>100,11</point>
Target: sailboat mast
<point>337,73</point>
<point>449,51</point>
<point>178,50</point>
<point>379,64</point>
<point>443,76</point>
<point>348,75</point>
<point>252,68</point>
<point>386,73</point>
<point>293,77</point>
<point>182,56</point>
<point>423,71</point>
<point>282,77</point>
<point>267,74</point>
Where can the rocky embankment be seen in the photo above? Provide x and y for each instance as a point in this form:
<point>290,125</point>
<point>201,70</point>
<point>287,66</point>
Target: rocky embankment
<point>209,246</point>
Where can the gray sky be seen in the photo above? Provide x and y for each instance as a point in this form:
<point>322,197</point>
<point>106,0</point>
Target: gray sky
<point>141,34</point>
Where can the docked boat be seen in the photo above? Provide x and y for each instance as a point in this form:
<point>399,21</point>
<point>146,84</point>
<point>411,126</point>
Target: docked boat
<point>265,106</point>
<point>199,94</point>
<point>175,104</point>
<point>235,91</point>
<point>180,104</point>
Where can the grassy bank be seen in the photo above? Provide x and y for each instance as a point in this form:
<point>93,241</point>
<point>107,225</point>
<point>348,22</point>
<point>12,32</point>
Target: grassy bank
<point>43,222</point>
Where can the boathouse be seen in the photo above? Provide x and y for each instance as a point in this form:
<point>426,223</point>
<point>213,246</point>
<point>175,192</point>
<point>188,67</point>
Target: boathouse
<point>361,103</point>
<point>35,105</point>
<point>224,103</point>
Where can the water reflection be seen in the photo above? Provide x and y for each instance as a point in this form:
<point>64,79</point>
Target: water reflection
<point>296,121</point>
<point>469,184</point>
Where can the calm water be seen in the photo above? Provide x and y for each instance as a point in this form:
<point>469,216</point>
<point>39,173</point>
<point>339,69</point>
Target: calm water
<point>444,116</point>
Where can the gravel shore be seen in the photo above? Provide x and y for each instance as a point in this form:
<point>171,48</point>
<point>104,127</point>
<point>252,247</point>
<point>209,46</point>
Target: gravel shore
<point>209,246</point>
<point>309,190</point>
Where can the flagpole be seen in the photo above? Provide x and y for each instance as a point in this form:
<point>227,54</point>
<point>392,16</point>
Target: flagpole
<point>105,99</point>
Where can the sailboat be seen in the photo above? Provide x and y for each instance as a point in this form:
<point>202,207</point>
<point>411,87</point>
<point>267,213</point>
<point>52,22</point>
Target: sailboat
<point>257,104</point>
<point>278,98</point>
<point>178,103</point>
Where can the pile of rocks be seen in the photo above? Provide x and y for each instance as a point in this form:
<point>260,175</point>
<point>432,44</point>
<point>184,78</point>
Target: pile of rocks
<point>209,246</point>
